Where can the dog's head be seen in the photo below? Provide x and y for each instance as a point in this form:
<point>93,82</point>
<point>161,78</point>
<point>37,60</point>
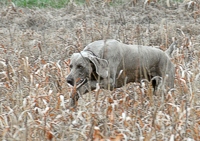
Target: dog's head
<point>84,66</point>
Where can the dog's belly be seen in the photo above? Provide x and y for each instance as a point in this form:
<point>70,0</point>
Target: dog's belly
<point>135,76</point>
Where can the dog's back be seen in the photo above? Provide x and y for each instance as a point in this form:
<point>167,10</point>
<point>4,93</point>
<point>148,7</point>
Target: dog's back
<point>137,62</point>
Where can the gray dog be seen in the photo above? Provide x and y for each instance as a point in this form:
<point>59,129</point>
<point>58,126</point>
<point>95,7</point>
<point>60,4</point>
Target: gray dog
<point>112,64</point>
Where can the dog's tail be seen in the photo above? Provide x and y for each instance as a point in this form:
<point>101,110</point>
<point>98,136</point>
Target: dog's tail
<point>171,48</point>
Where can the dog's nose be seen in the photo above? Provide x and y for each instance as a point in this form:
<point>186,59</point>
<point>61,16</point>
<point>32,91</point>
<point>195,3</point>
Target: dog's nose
<point>70,81</point>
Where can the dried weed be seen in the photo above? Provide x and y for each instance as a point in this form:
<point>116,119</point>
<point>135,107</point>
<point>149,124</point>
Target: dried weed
<point>36,43</point>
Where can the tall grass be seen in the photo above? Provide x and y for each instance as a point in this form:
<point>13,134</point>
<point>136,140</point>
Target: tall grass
<point>63,3</point>
<point>43,3</point>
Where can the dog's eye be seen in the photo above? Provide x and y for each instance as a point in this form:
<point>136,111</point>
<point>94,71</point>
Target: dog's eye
<point>79,67</point>
<point>70,66</point>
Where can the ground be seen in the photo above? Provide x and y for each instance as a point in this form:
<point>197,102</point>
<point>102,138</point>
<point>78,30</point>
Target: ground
<point>35,45</point>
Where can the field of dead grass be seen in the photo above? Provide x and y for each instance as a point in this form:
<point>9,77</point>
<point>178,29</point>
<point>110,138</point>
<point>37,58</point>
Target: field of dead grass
<point>35,45</point>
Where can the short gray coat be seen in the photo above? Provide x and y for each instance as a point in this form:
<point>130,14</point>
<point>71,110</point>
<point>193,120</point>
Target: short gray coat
<point>113,64</point>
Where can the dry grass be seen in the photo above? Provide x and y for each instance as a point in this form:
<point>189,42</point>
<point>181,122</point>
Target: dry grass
<point>34,97</point>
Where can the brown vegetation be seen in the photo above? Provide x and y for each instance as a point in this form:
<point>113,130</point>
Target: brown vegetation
<point>35,45</point>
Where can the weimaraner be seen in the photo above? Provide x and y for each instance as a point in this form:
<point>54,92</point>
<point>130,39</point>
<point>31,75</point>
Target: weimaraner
<point>112,64</point>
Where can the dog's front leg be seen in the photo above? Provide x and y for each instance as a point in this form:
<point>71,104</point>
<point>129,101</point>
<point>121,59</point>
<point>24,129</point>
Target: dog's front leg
<point>107,83</point>
<point>77,93</point>
<point>89,86</point>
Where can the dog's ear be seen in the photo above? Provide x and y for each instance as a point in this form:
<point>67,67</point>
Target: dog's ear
<point>101,65</point>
